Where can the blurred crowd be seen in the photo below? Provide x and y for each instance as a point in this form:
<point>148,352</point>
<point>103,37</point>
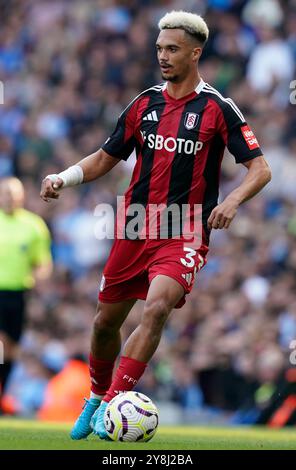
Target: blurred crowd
<point>69,68</point>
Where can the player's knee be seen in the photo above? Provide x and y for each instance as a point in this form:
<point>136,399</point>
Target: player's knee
<point>103,326</point>
<point>155,314</point>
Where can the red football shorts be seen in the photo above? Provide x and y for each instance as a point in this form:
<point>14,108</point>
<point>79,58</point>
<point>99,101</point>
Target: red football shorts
<point>132,264</point>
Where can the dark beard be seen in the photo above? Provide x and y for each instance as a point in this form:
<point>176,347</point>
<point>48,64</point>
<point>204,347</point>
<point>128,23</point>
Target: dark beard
<point>173,79</point>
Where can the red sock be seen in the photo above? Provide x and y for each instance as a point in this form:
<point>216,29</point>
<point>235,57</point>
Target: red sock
<point>100,375</point>
<point>127,376</point>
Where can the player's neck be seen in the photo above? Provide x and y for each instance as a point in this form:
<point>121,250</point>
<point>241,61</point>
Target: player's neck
<point>178,90</point>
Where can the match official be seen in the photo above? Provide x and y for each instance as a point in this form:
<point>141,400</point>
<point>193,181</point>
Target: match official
<point>24,257</point>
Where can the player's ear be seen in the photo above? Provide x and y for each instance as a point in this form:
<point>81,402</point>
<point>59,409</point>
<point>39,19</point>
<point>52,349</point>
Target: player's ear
<point>196,53</point>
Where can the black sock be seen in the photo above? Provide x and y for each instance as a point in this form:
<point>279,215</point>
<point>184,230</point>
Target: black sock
<point>4,374</point>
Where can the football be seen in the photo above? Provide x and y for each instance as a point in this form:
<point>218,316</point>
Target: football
<point>131,417</point>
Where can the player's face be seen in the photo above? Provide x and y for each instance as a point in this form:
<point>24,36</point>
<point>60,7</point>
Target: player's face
<point>177,55</point>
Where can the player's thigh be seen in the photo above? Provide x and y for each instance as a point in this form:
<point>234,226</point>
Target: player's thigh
<point>164,291</point>
<point>112,315</point>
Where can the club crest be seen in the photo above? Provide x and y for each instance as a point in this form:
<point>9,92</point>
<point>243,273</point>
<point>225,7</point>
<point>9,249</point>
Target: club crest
<point>191,120</point>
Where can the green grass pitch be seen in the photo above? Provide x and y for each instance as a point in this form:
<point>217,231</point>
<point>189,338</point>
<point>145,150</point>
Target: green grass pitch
<point>30,435</point>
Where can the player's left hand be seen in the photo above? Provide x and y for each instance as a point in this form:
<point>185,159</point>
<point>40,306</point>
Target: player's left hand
<point>223,214</point>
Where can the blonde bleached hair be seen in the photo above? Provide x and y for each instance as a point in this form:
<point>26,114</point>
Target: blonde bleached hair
<point>193,24</point>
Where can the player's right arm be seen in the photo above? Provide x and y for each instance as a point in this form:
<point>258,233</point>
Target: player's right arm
<point>89,169</point>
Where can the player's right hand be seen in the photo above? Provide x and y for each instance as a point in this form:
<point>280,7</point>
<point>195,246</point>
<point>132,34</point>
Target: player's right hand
<point>50,187</point>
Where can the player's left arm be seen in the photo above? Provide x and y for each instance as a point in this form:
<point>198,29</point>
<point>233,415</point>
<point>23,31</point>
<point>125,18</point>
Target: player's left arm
<point>257,177</point>
<point>243,145</point>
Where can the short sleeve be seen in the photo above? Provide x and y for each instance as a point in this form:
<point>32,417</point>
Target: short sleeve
<point>122,141</point>
<point>237,135</point>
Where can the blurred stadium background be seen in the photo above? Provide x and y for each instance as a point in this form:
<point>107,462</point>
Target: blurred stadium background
<point>69,68</point>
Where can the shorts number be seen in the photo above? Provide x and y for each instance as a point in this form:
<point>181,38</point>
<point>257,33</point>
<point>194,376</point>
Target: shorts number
<point>189,260</point>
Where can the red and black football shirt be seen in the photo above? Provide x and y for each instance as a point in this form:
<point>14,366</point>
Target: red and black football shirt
<point>179,145</point>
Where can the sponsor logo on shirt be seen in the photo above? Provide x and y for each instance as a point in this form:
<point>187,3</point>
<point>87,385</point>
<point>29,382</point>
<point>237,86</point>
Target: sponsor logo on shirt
<point>151,117</point>
<point>158,142</point>
<point>249,137</point>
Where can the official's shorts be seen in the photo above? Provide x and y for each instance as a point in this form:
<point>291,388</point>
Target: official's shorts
<point>12,312</point>
<point>133,264</point>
